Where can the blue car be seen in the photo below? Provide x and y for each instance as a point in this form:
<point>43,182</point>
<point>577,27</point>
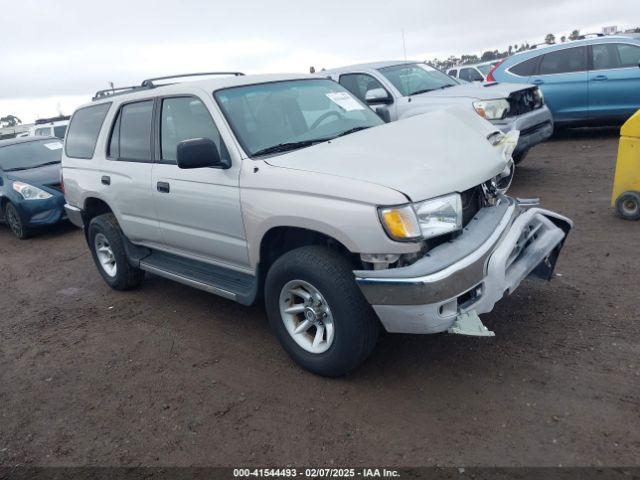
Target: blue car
<point>30,189</point>
<point>585,82</point>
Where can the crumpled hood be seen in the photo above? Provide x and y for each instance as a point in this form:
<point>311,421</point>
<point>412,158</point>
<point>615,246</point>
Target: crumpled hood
<point>422,157</point>
<point>476,90</point>
<point>46,175</point>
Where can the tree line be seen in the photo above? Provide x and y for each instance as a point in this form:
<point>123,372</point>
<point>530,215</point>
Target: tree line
<point>489,55</point>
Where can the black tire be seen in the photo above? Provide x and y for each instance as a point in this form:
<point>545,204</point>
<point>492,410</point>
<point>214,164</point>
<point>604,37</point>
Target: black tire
<point>628,205</point>
<point>356,327</point>
<point>125,276</point>
<point>14,221</point>
<point>520,156</point>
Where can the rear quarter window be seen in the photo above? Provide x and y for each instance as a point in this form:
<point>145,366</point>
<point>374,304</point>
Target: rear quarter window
<point>84,129</point>
<point>526,68</point>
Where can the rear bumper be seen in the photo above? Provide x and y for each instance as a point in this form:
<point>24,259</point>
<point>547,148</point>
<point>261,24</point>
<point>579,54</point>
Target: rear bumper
<point>535,127</point>
<point>74,214</point>
<point>488,260</point>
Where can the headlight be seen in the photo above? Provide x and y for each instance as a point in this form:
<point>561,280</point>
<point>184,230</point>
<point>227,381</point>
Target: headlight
<point>440,215</point>
<point>423,220</point>
<point>400,223</point>
<point>492,109</point>
<point>538,96</point>
<point>29,192</point>
<point>499,184</point>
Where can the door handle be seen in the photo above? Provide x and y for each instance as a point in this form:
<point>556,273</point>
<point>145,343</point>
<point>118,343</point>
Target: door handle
<point>105,180</point>
<point>538,81</point>
<point>599,78</point>
<point>163,187</point>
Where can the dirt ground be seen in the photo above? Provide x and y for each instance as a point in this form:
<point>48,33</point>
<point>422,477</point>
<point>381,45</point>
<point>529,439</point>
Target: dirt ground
<point>169,375</point>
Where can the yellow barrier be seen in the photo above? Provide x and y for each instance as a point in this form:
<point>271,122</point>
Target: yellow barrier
<point>626,183</point>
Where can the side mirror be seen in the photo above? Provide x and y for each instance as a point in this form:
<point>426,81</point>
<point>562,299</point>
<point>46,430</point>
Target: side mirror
<point>199,153</point>
<point>378,95</point>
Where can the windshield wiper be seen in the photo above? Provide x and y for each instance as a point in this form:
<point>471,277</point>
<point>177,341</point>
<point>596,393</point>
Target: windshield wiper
<point>16,169</point>
<point>288,146</point>
<point>424,90</point>
<point>351,130</point>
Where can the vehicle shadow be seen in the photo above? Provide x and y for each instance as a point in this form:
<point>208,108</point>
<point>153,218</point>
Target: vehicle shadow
<point>585,133</point>
<point>44,233</point>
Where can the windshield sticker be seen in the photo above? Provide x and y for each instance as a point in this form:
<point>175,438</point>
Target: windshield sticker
<point>53,145</point>
<point>344,101</point>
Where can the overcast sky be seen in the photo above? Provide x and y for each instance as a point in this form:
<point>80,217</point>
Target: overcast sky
<point>54,54</point>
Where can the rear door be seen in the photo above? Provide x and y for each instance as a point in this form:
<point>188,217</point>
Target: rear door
<point>614,81</point>
<point>126,178</point>
<point>198,209</point>
<point>562,76</point>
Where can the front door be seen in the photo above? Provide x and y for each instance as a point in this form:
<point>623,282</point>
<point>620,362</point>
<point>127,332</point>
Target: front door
<point>198,209</point>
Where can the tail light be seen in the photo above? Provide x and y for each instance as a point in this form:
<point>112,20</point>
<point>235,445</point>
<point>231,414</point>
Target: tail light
<point>490,77</point>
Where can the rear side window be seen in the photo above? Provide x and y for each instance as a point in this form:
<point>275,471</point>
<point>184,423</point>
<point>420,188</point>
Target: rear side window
<point>184,118</point>
<point>564,61</point>
<point>131,133</point>
<point>453,73</point>
<point>84,130</point>
<point>526,68</point>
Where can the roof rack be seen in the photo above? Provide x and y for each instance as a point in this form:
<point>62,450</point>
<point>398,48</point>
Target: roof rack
<point>110,92</point>
<point>149,83</point>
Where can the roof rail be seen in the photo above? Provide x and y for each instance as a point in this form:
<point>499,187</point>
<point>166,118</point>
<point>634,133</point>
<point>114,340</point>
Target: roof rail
<point>148,83</point>
<point>110,92</point>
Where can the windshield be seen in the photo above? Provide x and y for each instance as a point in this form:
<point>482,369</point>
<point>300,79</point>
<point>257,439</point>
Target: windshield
<point>21,156</point>
<point>414,78</point>
<point>280,116</point>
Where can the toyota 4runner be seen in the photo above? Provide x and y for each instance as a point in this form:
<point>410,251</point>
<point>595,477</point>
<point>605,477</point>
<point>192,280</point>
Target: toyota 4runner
<point>291,189</point>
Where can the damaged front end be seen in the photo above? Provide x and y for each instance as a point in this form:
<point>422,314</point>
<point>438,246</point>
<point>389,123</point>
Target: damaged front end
<point>450,284</point>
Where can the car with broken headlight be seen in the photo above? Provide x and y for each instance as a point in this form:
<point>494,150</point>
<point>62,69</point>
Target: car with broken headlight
<point>401,89</point>
<point>291,190</point>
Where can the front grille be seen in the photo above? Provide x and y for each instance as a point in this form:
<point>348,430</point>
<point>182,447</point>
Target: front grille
<point>524,101</point>
<point>472,201</point>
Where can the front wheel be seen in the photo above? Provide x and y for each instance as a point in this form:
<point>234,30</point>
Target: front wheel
<point>107,248</point>
<point>317,311</point>
<point>15,222</point>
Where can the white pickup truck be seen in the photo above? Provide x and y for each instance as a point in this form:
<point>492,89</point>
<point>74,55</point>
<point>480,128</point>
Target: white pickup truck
<point>403,89</point>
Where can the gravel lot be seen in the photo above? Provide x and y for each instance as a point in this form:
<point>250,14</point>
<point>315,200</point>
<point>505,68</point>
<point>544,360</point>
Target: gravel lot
<point>168,375</point>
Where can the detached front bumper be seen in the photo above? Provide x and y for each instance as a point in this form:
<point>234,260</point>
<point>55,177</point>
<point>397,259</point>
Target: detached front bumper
<point>535,127</point>
<point>499,248</point>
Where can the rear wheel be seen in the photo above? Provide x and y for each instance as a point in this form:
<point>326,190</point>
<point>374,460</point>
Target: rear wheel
<point>14,221</point>
<point>628,205</point>
<point>107,248</point>
<point>317,311</point>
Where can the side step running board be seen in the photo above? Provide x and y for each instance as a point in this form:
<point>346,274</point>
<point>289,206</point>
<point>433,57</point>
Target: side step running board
<point>221,281</point>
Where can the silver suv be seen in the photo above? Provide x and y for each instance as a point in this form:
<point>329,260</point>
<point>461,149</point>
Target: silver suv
<point>400,89</point>
<point>291,189</point>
